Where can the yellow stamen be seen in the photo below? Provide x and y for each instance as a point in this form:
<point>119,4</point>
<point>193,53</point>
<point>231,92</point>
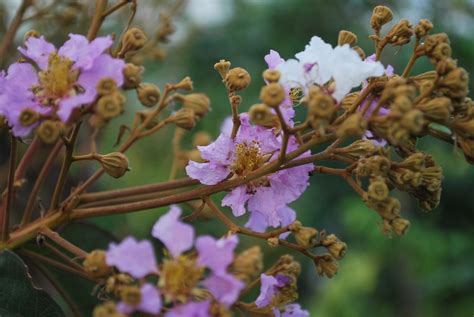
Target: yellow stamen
<point>58,79</point>
<point>247,158</point>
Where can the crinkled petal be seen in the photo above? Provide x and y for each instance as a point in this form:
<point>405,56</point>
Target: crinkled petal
<point>236,200</point>
<point>224,287</point>
<point>175,235</point>
<point>268,284</point>
<point>191,309</point>
<point>131,256</point>
<point>81,52</point>
<point>273,59</point>
<point>38,50</point>
<point>207,173</point>
<point>267,203</point>
<point>218,151</point>
<point>287,216</point>
<point>216,254</point>
<point>257,222</point>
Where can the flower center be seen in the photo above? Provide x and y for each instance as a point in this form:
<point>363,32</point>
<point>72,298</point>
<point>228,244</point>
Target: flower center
<point>247,158</point>
<point>178,277</point>
<point>58,79</point>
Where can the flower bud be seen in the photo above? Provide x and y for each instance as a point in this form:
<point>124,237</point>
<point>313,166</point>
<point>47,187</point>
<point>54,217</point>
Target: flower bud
<point>358,149</point>
<point>49,131</point>
<point>185,118</point>
<point>271,75</point>
<point>380,16</point>
<point>261,115</point>
<point>346,37</point>
<point>31,33</point>
<point>198,102</point>
<point>326,265</point>
<point>378,190</point>
<point>413,121</point>
<point>422,28</point>
<point>148,94</point>
<point>273,242</point>
<point>388,209</point>
<point>456,82</point>
<point>400,226</point>
<point>306,236</point>
<point>397,134</point>
<point>201,138</point>
<point>115,283</point>
<point>321,106</point>
<point>335,246</point>
<point>28,117</point>
<point>400,33</point>
<point>437,109</point>
<point>272,94</point>
<point>115,164</point>
<point>463,127</point>
<point>186,84</point>
<point>110,106</point>
<point>445,66</point>
<point>354,125</point>
<point>248,264</point>
<point>237,79</point>
<point>360,51</point>
<point>106,86</point>
<point>414,162</point>
<point>95,264</point>
<point>373,166</point>
<point>349,100</point>
<point>132,76</point>
<point>133,40</point>
<point>431,41</point>
<point>222,67</point>
<point>131,295</point>
<point>441,51</point>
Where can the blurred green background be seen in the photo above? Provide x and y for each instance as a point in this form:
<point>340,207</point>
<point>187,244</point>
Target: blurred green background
<point>428,272</point>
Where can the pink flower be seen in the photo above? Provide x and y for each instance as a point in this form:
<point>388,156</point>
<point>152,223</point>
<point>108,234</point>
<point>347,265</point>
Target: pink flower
<point>273,59</point>
<point>175,235</point>
<point>216,254</point>
<point>150,301</point>
<point>66,80</point>
<point>134,257</point>
<point>265,198</point>
<point>224,287</point>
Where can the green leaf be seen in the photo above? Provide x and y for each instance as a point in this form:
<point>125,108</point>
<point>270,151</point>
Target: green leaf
<point>18,295</point>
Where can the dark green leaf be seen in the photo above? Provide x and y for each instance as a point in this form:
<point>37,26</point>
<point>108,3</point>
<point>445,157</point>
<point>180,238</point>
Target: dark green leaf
<point>18,296</point>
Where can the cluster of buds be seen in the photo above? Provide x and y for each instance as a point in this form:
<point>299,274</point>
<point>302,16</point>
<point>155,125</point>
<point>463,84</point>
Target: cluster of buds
<point>110,104</point>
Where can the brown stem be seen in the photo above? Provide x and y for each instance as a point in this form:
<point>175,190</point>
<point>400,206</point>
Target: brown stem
<point>97,19</point>
<point>8,201</point>
<point>411,62</point>
<point>61,254</point>
<point>32,199</point>
<point>27,158</point>
<point>54,236</point>
<point>115,7</point>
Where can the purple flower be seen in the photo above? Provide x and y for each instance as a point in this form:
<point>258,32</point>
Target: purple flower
<point>67,79</point>
<point>133,257</point>
<point>291,310</point>
<point>175,235</point>
<point>269,287</point>
<point>273,59</point>
<point>191,309</point>
<point>216,254</point>
<point>224,287</point>
<point>250,149</point>
<point>150,301</point>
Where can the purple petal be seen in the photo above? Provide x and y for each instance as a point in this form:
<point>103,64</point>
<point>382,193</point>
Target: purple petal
<point>236,200</point>
<point>257,222</point>
<point>287,216</point>
<point>207,173</point>
<point>216,254</point>
<point>218,151</point>
<point>224,287</point>
<point>273,59</point>
<point>38,50</point>
<point>81,52</point>
<point>175,235</point>
<point>191,309</point>
<point>294,310</point>
<point>267,290</point>
<point>133,257</point>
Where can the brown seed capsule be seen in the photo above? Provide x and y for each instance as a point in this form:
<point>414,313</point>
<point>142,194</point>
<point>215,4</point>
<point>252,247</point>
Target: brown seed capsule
<point>237,79</point>
<point>198,102</point>
<point>185,118</point>
<point>133,40</point>
<point>359,149</point>
<point>110,106</point>
<point>413,121</point>
<point>95,264</point>
<point>186,84</point>
<point>422,28</point>
<point>360,51</point>
<point>131,295</point>
<point>272,94</point>
<point>306,236</point>
<point>115,164</point>
<point>260,114</point>
<point>400,226</point>
<point>380,16</point>
<point>354,125</point>
<point>346,37</point>
<point>273,242</point>
<point>132,76</point>
<point>437,109</point>
<point>248,264</point>
<point>441,51</point>
<point>431,41</point>
<point>106,86</point>
<point>378,190</point>
<point>349,100</point>
<point>148,94</point>
<point>335,246</point>
<point>222,67</point>
<point>326,265</point>
<point>271,75</point>
<point>414,162</point>
<point>400,33</point>
<point>321,106</point>
<point>201,138</point>
<point>28,117</point>
<point>445,66</point>
<point>456,82</point>
<point>388,209</point>
<point>49,131</point>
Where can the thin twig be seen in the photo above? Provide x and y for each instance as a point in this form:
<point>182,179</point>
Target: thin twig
<point>8,201</point>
